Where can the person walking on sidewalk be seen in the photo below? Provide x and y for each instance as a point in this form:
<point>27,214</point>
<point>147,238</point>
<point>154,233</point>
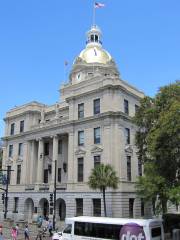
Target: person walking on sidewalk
<point>14,233</point>
<point>50,227</point>
<point>26,233</point>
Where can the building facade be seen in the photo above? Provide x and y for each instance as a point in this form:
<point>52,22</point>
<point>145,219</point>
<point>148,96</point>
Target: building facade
<point>91,124</point>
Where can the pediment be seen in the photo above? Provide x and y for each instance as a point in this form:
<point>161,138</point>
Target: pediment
<point>96,149</point>
<point>80,152</point>
<point>128,149</point>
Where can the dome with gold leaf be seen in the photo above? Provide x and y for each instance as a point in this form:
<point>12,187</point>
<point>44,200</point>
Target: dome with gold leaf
<point>94,53</point>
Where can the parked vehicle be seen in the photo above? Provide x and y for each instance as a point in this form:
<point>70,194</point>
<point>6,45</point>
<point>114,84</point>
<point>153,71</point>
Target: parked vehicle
<point>84,227</point>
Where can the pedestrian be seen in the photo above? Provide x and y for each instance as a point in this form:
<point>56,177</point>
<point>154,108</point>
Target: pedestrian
<point>39,221</point>
<point>1,232</point>
<point>50,227</point>
<point>26,232</point>
<point>14,233</point>
<point>17,228</point>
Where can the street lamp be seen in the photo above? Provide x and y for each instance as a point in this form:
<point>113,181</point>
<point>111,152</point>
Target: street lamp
<point>6,191</point>
<point>54,205</point>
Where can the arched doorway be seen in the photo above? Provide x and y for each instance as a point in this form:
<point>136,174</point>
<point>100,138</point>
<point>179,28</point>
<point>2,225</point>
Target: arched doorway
<point>28,209</point>
<point>43,207</point>
<point>60,209</point>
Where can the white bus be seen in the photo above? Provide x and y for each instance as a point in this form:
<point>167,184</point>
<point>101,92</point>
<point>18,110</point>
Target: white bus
<point>84,228</point>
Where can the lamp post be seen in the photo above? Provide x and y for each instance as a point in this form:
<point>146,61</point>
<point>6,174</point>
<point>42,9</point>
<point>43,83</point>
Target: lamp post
<point>6,191</point>
<point>54,205</point>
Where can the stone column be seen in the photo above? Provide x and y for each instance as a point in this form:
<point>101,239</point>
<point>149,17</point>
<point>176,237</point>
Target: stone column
<point>25,164</point>
<point>32,161</point>
<point>54,157</point>
<point>71,167</point>
<point>40,161</point>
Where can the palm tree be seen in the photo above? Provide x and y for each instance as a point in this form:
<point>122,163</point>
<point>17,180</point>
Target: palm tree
<point>103,176</point>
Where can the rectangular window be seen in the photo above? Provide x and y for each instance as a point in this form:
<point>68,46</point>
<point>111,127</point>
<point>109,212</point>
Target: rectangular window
<point>16,201</point>
<point>79,206</point>
<point>126,106</point>
<point>80,110</point>
<point>80,169</point>
<point>142,207</point>
<point>127,135</point>
<point>131,207</point>
<point>18,180</point>
<point>9,174</point>
<point>97,138</point>
<point>139,167</point>
<point>45,175</point>
<point>96,106</point>
<point>80,138</point>
<point>60,146</point>
<point>129,168</point>
<point>20,149</point>
<point>12,129</point>
<point>97,160</point>
<point>97,207</point>
<point>21,126</point>
<point>136,108</point>
<point>46,148</point>
<point>59,174</point>
<point>10,150</point>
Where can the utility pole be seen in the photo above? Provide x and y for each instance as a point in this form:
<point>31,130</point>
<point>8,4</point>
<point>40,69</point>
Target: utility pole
<point>54,211</point>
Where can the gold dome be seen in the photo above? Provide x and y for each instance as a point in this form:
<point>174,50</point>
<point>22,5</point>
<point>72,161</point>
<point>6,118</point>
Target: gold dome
<point>95,54</point>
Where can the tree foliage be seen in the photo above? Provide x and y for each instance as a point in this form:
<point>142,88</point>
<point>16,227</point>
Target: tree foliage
<point>102,177</point>
<point>158,143</point>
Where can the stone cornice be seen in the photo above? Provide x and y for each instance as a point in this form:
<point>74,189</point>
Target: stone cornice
<point>44,131</point>
<point>108,86</point>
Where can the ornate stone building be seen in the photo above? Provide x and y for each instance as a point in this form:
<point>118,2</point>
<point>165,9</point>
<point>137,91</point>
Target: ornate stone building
<point>91,124</point>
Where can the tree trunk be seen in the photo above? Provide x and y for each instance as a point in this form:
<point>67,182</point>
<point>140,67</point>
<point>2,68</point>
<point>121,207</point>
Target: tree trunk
<point>104,200</point>
<point>164,205</point>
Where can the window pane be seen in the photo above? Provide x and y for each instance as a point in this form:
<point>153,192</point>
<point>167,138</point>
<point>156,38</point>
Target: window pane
<point>20,150</point>
<point>46,148</point>
<point>127,135</point>
<point>80,169</point>
<point>79,207</point>
<point>60,147</point>
<point>96,106</point>
<point>97,207</point>
<point>81,138</point>
<point>97,135</point>
<point>97,160</point>
<point>131,206</point>
<point>45,175</point>
<point>18,174</point>
<point>10,150</point>
<point>81,110</point>
<point>126,106</point>
<point>12,129</point>
<point>22,126</point>
<point>59,174</point>
<point>129,168</point>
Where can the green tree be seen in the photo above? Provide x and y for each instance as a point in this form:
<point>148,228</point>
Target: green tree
<point>103,176</point>
<point>158,143</point>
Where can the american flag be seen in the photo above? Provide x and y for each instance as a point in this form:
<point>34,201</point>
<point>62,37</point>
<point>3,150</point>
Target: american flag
<point>99,5</point>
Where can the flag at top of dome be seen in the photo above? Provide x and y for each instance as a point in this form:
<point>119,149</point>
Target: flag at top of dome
<point>99,5</point>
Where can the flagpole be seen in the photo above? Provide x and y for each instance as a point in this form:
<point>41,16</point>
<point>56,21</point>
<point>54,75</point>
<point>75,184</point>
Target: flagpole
<point>94,13</point>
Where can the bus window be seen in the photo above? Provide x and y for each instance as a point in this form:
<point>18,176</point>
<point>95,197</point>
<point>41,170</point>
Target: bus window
<point>68,229</point>
<point>156,233</point>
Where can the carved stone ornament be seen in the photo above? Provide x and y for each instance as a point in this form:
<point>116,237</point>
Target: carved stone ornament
<point>128,149</point>
<point>96,149</point>
<point>80,152</point>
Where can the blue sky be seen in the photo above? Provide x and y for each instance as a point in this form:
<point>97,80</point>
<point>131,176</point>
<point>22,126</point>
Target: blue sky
<point>37,36</point>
